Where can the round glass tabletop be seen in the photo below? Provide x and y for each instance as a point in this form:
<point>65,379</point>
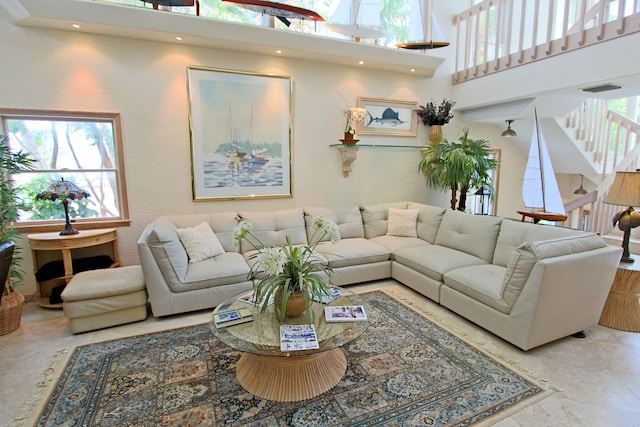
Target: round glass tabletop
<point>261,336</point>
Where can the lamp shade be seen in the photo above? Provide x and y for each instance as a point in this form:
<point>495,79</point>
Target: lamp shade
<point>509,133</point>
<point>625,190</point>
<point>63,190</point>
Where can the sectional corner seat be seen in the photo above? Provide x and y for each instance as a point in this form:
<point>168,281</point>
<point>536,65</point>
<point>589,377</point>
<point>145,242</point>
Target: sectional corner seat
<point>529,284</point>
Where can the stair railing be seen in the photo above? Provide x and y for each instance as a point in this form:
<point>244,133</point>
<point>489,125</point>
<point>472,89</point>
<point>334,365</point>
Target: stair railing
<point>496,35</point>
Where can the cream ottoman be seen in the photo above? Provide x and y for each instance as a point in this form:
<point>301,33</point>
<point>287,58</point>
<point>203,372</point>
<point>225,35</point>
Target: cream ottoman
<point>99,299</point>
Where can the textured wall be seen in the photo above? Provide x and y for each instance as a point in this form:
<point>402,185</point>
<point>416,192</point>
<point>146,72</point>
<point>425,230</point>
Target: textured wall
<point>146,83</point>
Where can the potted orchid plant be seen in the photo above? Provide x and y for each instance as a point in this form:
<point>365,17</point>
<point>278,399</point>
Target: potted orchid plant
<point>291,272</point>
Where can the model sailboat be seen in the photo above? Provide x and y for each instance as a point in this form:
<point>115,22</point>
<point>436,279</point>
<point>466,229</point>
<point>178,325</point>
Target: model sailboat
<point>540,191</point>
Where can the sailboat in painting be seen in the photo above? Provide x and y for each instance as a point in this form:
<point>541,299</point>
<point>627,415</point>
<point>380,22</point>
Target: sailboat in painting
<point>540,191</point>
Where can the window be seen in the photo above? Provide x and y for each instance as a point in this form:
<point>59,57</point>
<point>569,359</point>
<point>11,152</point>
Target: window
<point>84,148</point>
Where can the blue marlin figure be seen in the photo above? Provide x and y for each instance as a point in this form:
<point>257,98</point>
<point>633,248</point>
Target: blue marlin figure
<point>389,117</point>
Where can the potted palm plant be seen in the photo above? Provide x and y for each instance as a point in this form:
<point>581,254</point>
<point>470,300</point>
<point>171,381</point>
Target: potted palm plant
<point>10,203</point>
<point>294,276</point>
<point>458,166</point>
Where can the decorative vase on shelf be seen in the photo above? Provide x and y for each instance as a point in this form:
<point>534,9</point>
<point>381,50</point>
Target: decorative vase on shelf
<point>435,132</point>
<point>348,138</point>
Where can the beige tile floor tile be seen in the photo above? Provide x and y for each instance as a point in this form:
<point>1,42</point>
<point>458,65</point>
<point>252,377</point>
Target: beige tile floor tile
<point>596,379</point>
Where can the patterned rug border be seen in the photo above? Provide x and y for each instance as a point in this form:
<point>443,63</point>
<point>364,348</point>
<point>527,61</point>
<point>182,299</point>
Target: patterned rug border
<point>41,393</point>
<point>395,292</point>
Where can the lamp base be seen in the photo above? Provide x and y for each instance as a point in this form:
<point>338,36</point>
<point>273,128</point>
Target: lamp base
<point>68,229</point>
<point>627,259</point>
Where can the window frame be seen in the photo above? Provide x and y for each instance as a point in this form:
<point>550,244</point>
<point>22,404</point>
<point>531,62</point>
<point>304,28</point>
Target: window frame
<point>80,223</point>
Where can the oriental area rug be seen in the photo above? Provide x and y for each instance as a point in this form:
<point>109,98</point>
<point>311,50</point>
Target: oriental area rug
<point>404,370</point>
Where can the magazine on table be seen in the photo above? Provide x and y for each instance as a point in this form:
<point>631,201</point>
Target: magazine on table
<point>250,298</point>
<point>298,337</point>
<point>232,317</point>
<point>345,313</point>
<point>329,296</point>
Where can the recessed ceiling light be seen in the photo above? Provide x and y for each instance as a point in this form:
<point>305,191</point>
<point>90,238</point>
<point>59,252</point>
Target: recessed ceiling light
<point>413,70</point>
<point>75,25</point>
<point>178,38</point>
<point>278,51</point>
<point>361,62</point>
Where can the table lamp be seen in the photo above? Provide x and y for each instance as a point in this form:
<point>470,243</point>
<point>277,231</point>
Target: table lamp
<point>64,190</point>
<point>625,191</point>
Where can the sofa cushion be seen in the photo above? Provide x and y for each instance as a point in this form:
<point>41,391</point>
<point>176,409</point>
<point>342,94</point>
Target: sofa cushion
<point>513,233</point>
<point>472,234</point>
<point>429,219</point>
<point>166,248</point>
<point>224,269</point>
<point>354,251</point>
<point>349,221</point>
<point>395,243</point>
<point>374,218</point>
<point>433,261</point>
<point>528,254</point>
<point>200,242</point>
<point>483,283</point>
<point>402,222</point>
<point>272,228</point>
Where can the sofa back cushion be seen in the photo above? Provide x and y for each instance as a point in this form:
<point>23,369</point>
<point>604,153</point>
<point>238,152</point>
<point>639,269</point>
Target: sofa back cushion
<point>169,251</point>
<point>429,219</point>
<point>272,228</point>
<point>473,234</point>
<point>514,233</point>
<point>374,218</point>
<point>349,221</point>
<point>528,254</point>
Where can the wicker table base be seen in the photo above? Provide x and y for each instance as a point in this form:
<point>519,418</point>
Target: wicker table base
<point>622,308</point>
<point>291,379</point>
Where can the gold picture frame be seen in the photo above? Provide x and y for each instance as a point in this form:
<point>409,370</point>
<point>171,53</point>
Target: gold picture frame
<point>388,117</point>
<point>240,125</point>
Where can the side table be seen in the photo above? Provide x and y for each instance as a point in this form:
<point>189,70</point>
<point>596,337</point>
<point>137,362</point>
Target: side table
<point>47,247</point>
<point>622,308</point>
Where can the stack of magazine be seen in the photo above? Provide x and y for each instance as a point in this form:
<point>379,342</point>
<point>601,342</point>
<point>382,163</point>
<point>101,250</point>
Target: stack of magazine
<point>298,337</point>
<point>345,313</point>
<point>232,317</point>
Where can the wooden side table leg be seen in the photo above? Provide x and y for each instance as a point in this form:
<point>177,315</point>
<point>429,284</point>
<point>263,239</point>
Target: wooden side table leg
<point>291,379</point>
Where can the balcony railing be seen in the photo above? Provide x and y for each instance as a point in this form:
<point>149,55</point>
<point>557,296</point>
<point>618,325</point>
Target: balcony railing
<point>611,140</point>
<point>496,35</point>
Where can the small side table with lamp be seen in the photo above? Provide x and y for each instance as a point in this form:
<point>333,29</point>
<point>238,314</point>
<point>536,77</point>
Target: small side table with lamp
<point>622,308</point>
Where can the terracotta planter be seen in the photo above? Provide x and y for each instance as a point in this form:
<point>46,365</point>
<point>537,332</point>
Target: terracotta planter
<point>10,312</point>
<point>348,139</point>
<point>435,133</point>
<point>296,305</point>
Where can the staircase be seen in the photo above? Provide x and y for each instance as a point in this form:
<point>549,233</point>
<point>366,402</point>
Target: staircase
<point>497,35</point>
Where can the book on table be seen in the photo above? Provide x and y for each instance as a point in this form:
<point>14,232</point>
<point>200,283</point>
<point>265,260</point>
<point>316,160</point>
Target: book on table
<point>232,317</point>
<point>345,313</point>
<point>298,337</point>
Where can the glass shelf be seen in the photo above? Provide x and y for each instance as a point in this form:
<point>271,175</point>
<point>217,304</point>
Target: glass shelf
<point>349,152</point>
<point>377,145</point>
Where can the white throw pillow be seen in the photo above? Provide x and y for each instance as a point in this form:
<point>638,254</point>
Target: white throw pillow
<point>402,222</point>
<point>200,242</point>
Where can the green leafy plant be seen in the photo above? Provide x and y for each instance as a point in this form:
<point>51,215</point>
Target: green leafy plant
<point>289,269</point>
<point>10,204</point>
<point>458,166</point>
<point>430,114</point>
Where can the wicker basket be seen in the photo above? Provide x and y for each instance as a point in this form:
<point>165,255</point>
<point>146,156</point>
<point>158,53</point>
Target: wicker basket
<point>10,312</point>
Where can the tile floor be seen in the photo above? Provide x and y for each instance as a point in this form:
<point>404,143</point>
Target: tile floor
<point>597,379</point>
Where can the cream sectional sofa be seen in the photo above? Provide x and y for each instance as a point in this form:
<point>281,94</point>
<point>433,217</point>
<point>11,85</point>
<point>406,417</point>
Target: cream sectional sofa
<point>527,283</point>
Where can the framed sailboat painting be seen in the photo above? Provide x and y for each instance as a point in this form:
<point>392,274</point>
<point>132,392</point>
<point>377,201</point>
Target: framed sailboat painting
<point>240,124</point>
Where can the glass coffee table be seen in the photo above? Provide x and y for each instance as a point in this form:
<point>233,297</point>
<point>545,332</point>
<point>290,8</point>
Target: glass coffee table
<point>268,373</point>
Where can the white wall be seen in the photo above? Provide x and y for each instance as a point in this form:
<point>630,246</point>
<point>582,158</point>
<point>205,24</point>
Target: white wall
<point>146,83</point>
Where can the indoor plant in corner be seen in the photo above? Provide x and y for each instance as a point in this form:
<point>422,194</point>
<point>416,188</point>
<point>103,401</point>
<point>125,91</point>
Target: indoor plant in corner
<point>458,166</point>
<point>10,203</point>
<point>291,273</point>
